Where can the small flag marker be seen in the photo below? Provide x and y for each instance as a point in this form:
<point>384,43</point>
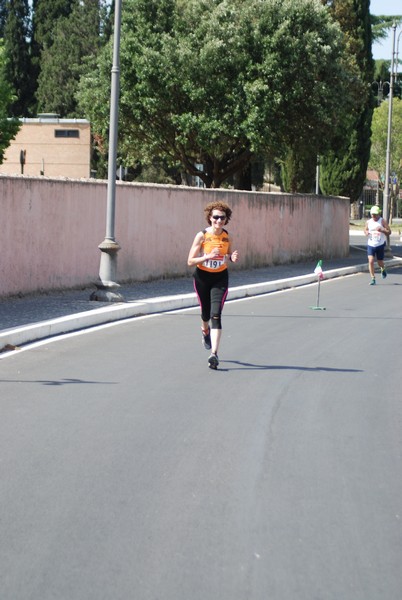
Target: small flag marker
<point>320,275</point>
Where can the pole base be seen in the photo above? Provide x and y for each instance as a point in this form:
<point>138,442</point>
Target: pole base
<point>318,308</point>
<point>105,293</point>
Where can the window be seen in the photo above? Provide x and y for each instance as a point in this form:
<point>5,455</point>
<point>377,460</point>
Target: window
<point>66,133</point>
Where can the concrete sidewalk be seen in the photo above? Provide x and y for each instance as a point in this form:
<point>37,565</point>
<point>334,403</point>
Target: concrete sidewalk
<point>27,319</point>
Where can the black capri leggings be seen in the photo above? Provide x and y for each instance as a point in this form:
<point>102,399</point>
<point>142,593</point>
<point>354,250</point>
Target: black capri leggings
<point>211,289</point>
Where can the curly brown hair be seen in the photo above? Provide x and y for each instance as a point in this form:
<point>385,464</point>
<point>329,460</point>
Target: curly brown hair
<point>217,205</point>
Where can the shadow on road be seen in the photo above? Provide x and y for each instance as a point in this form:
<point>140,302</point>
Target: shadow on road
<point>59,382</point>
<point>242,366</point>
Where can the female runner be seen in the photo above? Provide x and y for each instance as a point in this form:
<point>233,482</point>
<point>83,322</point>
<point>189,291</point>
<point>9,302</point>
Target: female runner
<point>210,252</point>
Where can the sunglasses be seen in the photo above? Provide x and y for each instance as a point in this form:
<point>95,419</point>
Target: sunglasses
<point>219,217</point>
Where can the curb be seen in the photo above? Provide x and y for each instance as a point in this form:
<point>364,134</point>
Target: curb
<point>10,339</point>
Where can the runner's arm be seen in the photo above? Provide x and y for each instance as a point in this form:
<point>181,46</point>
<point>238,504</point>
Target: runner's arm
<point>194,257</point>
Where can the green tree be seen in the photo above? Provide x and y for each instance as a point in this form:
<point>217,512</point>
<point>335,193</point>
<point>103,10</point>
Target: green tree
<point>46,13</point>
<point>218,82</point>
<point>379,138</point>
<point>108,19</point>
<point>298,168</point>
<point>8,127</point>
<point>343,169</point>
<point>3,17</point>
<point>17,60</point>
<point>74,44</point>
<point>381,25</point>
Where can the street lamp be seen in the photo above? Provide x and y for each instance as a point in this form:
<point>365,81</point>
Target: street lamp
<point>106,286</point>
<point>380,90</point>
<point>396,56</point>
<point>389,132</point>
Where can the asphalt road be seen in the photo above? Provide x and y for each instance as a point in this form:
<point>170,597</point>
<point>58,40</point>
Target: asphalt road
<point>130,471</point>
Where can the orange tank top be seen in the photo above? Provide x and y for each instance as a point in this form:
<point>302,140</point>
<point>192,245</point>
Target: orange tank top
<point>211,241</point>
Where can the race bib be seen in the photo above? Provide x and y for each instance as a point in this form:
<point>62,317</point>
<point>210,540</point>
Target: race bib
<point>214,263</point>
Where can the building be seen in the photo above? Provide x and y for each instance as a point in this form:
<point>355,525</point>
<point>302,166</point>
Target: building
<point>50,146</point>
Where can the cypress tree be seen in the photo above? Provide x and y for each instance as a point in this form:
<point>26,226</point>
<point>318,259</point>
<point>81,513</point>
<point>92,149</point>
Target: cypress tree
<point>3,13</point>
<point>45,15</point>
<point>17,67</point>
<point>8,127</point>
<point>108,20</point>
<point>75,43</point>
<point>343,170</point>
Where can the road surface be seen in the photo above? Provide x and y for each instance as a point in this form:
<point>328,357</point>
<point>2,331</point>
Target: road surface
<point>131,471</point>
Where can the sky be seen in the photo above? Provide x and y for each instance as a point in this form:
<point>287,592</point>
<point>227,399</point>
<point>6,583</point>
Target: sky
<point>386,7</point>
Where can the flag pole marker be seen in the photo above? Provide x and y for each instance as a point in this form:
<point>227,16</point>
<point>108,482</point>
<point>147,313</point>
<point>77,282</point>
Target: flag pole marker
<point>320,275</point>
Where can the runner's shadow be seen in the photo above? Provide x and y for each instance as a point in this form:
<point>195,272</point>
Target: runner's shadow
<point>243,366</point>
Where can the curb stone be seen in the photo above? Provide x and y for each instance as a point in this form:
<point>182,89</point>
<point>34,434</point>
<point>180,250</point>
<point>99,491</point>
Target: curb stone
<point>12,339</point>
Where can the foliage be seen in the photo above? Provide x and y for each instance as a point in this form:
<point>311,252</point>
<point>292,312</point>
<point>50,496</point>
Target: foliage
<point>71,49</point>
<point>45,15</point>
<point>381,24</point>
<point>343,169</point>
<point>298,169</point>
<point>3,17</point>
<point>17,61</point>
<point>379,139</point>
<point>8,127</point>
<point>216,82</point>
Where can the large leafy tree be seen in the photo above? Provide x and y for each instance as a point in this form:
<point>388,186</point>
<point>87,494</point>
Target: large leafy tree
<point>17,59</point>
<point>215,83</point>
<point>343,169</point>
<point>69,49</point>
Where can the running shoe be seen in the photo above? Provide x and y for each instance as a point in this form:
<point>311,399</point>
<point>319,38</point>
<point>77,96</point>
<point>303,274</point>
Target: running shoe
<point>206,340</point>
<point>372,282</point>
<point>213,361</point>
<point>383,273</point>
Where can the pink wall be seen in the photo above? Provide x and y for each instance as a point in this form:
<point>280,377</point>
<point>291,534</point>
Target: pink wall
<point>51,229</point>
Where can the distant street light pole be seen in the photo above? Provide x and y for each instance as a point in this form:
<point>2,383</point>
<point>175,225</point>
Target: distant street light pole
<point>106,287</point>
<point>385,210</point>
<point>380,90</point>
<point>317,176</point>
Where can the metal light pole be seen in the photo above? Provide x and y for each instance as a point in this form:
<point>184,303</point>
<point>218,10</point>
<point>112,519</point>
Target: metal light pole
<point>317,176</point>
<point>385,209</point>
<point>396,82</point>
<point>106,286</point>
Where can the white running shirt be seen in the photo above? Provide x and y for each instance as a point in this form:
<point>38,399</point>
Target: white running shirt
<point>375,238</point>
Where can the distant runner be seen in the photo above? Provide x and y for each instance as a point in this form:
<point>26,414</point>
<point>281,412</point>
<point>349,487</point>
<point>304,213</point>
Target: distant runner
<point>376,229</point>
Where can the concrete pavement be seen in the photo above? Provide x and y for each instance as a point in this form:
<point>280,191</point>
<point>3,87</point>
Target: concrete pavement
<point>30,318</point>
